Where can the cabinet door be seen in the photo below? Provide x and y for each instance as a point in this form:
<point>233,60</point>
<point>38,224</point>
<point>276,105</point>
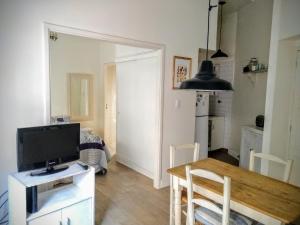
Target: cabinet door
<point>258,148</point>
<point>53,218</point>
<point>78,214</point>
<point>250,141</point>
<point>246,146</point>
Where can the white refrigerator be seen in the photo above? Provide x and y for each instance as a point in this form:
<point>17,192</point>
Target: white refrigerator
<point>201,129</point>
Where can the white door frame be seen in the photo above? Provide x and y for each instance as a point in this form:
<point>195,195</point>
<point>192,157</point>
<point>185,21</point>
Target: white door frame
<point>118,40</point>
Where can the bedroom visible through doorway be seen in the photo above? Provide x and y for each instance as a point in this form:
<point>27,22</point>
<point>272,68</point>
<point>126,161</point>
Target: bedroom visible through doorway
<point>114,91</point>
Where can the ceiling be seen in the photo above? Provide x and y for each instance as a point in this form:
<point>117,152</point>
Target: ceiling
<point>234,5</point>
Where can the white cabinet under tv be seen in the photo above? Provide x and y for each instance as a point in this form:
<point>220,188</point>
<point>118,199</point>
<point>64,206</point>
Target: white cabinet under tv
<point>70,204</point>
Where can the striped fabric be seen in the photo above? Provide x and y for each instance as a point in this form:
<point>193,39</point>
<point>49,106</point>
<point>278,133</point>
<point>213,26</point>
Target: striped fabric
<point>208,217</point>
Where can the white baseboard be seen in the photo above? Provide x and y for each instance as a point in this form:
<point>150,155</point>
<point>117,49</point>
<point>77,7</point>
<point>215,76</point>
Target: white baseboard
<point>127,162</point>
<point>164,183</point>
<point>234,154</point>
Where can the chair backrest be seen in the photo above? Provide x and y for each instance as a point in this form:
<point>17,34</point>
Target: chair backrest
<point>226,181</point>
<point>287,164</point>
<point>184,147</point>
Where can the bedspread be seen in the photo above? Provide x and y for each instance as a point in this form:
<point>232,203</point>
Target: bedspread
<point>93,151</point>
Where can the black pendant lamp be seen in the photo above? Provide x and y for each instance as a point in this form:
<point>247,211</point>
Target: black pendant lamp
<point>219,53</point>
<point>206,79</point>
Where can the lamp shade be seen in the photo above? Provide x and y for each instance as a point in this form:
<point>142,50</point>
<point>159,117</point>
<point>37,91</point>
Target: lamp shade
<point>219,54</point>
<point>206,80</point>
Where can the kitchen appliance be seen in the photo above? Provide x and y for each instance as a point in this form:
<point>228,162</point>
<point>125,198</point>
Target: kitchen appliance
<point>201,129</point>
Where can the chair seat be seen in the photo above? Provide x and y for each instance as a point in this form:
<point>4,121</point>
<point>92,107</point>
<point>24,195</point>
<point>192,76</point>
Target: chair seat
<point>208,217</point>
<point>184,196</point>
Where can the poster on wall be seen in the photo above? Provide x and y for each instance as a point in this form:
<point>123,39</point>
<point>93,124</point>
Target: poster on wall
<point>182,70</point>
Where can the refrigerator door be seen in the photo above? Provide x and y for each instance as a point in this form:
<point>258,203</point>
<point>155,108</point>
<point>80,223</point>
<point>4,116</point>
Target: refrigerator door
<point>201,135</point>
<point>202,104</point>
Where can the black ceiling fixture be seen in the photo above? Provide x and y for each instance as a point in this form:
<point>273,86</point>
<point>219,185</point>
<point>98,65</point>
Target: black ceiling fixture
<point>206,79</point>
<point>219,53</point>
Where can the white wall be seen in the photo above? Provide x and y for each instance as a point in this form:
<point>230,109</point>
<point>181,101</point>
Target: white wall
<point>71,54</point>
<point>281,109</point>
<point>179,25</point>
<point>123,51</point>
<point>289,19</point>
<point>285,32</point>
<point>253,40</point>
<point>229,33</point>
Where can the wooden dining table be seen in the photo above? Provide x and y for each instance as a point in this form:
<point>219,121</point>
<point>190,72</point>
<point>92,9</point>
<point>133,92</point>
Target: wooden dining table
<point>264,199</point>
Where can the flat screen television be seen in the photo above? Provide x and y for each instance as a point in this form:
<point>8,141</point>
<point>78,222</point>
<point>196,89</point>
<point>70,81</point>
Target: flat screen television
<point>47,146</point>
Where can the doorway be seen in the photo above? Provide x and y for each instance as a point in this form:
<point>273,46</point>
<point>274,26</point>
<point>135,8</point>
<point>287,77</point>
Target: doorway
<point>110,111</point>
<point>115,139</point>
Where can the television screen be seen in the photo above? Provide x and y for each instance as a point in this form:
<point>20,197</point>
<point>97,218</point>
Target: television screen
<point>53,143</point>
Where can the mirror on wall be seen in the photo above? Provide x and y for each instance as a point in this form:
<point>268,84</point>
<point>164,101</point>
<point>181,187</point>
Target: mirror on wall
<point>80,96</point>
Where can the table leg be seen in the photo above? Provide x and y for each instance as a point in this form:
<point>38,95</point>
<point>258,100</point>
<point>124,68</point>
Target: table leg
<point>177,201</point>
<point>171,201</point>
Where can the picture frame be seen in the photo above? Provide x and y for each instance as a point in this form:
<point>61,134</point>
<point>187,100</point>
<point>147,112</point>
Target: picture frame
<point>182,69</point>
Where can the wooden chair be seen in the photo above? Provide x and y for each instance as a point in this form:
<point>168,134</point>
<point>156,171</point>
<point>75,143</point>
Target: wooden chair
<point>207,211</point>
<point>287,164</point>
<point>173,149</point>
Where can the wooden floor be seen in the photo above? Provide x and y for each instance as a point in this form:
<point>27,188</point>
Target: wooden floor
<point>125,197</point>
<point>222,155</point>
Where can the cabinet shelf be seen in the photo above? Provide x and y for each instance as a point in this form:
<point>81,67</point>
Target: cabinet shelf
<point>58,198</point>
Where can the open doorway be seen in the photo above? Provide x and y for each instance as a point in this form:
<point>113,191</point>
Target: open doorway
<point>118,90</point>
<point>110,104</point>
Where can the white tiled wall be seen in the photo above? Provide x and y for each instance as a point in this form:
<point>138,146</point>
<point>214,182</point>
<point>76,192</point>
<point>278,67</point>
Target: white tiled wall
<point>220,103</point>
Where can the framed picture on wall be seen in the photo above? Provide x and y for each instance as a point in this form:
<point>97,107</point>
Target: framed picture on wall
<point>181,70</point>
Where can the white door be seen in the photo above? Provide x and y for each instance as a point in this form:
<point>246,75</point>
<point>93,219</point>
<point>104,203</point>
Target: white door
<point>294,148</point>
<point>78,214</point>
<point>53,218</point>
<point>137,113</point>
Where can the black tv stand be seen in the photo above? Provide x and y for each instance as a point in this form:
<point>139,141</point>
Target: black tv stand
<point>48,171</point>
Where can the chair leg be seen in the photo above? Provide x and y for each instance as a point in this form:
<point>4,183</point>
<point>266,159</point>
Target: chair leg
<point>177,207</point>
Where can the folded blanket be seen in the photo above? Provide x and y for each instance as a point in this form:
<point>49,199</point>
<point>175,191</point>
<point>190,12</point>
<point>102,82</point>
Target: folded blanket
<point>93,150</point>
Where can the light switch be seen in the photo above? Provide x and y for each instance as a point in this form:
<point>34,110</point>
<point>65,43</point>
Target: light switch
<point>177,104</point>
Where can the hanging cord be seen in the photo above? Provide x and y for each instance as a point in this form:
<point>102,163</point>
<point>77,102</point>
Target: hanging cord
<point>5,192</point>
<point>2,207</point>
<point>210,7</point>
<point>221,3</point>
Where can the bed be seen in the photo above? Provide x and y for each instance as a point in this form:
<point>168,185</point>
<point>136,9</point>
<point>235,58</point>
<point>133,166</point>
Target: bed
<point>93,151</point>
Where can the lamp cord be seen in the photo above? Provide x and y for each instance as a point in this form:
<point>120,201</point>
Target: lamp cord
<point>207,37</point>
<point>210,7</point>
<point>221,22</point>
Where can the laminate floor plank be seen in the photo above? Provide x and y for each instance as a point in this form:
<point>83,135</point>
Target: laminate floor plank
<point>125,197</point>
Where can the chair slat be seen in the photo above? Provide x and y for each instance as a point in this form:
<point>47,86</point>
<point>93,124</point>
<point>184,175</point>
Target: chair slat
<point>287,164</point>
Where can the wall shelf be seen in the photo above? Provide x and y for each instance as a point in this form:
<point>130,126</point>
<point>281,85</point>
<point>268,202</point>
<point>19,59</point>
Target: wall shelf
<point>256,71</point>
